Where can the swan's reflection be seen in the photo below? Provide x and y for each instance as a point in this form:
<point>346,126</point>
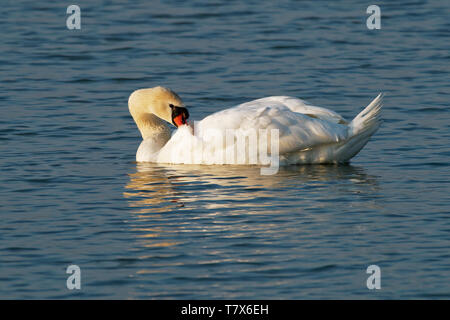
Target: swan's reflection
<point>172,205</point>
<point>156,188</point>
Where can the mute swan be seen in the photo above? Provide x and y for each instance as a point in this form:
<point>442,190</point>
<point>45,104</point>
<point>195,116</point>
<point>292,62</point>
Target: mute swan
<point>299,133</point>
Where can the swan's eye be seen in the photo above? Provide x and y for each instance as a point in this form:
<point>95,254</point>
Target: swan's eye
<point>171,106</point>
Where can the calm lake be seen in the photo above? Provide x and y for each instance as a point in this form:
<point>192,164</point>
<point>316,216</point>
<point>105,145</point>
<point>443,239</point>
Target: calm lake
<point>72,193</point>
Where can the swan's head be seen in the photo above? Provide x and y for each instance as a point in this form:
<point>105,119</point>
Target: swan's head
<point>162,102</point>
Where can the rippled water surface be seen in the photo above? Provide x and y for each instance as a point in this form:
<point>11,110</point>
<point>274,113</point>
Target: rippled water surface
<point>71,192</point>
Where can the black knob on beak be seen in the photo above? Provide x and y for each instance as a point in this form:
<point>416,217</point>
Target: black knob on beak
<point>179,115</point>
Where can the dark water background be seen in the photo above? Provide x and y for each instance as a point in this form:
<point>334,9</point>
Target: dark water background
<point>71,192</point>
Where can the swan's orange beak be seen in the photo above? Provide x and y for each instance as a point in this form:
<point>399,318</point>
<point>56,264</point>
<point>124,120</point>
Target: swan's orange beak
<point>179,116</point>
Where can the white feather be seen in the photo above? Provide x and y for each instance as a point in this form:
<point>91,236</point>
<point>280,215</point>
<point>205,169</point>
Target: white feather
<point>307,134</point>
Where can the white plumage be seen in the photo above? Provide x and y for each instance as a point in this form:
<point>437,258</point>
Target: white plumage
<point>307,134</point>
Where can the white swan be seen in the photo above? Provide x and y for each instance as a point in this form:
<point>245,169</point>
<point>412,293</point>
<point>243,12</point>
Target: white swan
<point>305,133</point>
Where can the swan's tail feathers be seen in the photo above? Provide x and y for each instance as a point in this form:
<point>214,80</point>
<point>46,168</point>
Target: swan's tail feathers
<point>361,129</point>
<point>368,119</point>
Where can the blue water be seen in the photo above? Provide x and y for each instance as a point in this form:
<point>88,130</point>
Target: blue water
<point>71,192</point>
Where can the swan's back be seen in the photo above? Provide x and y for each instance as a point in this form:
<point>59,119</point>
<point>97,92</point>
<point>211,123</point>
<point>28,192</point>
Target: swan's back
<point>304,134</point>
<point>299,125</point>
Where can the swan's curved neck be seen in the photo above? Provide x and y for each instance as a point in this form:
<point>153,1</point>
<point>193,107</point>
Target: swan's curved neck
<point>150,126</point>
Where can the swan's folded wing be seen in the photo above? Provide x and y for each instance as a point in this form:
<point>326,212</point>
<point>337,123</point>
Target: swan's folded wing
<point>303,107</point>
<point>297,131</point>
